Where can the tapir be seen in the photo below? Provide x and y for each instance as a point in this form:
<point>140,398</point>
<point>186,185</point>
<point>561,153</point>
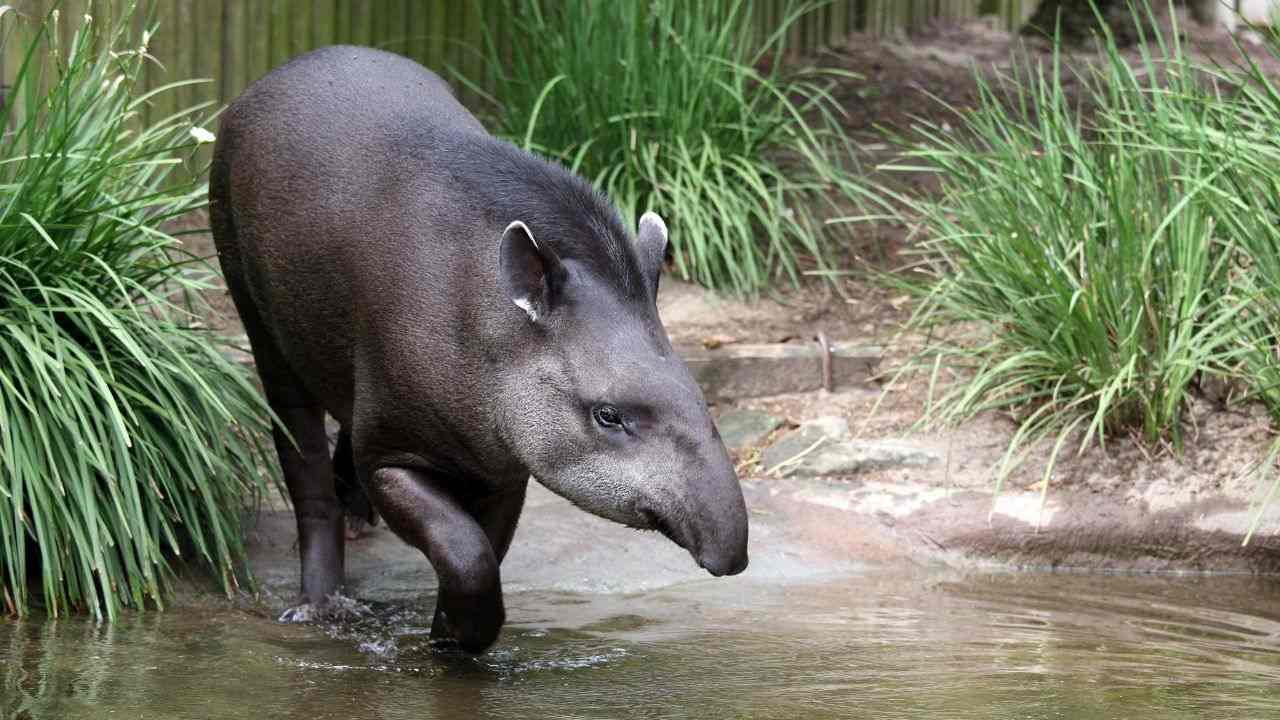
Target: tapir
<point>470,314</point>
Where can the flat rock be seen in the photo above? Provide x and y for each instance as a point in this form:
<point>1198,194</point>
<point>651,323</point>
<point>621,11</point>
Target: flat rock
<point>822,447</point>
<point>824,430</point>
<point>746,370</point>
<point>741,429</point>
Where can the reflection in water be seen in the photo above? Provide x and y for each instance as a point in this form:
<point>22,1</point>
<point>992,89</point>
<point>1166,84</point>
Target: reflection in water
<point>871,646</point>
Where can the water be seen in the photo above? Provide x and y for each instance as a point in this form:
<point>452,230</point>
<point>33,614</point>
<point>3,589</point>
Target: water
<point>875,645</point>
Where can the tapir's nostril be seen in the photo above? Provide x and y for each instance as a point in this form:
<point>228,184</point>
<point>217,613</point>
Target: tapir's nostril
<point>720,565</point>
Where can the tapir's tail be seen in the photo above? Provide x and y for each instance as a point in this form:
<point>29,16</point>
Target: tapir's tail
<point>351,494</point>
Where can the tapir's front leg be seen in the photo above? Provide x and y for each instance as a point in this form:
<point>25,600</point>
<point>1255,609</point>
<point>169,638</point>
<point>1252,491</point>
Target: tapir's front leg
<point>498,514</point>
<point>426,516</point>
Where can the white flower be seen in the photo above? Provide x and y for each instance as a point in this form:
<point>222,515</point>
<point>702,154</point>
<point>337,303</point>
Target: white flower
<point>200,135</point>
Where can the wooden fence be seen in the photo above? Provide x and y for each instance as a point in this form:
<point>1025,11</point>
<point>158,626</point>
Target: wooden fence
<point>233,42</point>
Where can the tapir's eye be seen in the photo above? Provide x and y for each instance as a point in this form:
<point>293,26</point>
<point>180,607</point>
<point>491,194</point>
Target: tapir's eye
<point>607,416</point>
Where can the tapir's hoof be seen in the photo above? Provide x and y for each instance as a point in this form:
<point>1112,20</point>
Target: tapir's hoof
<point>451,647</point>
<point>468,636</point>
<point>446,646</point>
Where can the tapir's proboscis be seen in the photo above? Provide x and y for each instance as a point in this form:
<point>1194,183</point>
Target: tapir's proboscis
<point>470,314</point>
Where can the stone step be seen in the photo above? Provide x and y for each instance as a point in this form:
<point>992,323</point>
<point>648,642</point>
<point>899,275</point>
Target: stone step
<point>743,371</point>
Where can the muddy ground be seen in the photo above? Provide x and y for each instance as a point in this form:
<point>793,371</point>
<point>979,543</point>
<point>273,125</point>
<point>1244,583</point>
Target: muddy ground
<point>1126,506</point>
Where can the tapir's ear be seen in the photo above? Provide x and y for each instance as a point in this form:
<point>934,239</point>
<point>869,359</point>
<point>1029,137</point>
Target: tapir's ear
<point>651,242</point>
<point>530,274</point>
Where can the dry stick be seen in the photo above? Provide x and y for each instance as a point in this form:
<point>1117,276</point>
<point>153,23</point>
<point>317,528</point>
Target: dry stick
<point>795,458</point>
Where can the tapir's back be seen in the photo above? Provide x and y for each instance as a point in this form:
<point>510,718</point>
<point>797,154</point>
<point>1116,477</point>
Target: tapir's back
<point>318,198</point>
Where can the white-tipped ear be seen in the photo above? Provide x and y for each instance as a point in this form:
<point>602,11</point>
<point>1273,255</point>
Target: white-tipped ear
<point>651,243</point>
<point>654,224</point>
<point>528,273</point>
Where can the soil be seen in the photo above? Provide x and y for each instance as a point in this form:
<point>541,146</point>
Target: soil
<point>903,83</point>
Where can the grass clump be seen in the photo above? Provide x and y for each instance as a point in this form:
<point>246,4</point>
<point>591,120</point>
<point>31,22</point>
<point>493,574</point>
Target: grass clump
<point>1244,135</point>
<point>1084,241</point>
<point>126,437</point>
<point>681,108</point>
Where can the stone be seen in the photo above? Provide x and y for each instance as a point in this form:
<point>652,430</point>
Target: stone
<point>823,448</point>
<point>741,429</point>
<point>743,371</point>
<point>825,430</point>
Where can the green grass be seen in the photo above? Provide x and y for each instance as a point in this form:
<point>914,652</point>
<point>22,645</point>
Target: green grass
<point>126,437</point>
<point>1244,136</point>
<point>1102,261</point>
<point>676,107</point>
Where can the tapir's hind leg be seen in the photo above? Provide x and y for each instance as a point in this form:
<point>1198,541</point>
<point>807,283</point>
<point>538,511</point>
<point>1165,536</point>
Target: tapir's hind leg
<point>309,477</point>
<point>303,452</point>
<point>308,474</point>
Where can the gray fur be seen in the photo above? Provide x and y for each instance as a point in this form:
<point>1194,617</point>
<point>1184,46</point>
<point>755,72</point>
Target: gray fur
<point>359,213</point>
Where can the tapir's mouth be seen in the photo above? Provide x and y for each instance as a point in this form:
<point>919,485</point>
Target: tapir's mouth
<point>657,522</point>
<point>716,563</point>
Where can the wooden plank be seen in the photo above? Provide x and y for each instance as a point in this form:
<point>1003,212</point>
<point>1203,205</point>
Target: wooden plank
<point>168,46</point>
<point>504,44</point>
<point>398,37</point>
<point>142,21</point>
<point>877,13</point>
<point>455,26</point>
<point>279,28</point>
<point>422,29</point>
<point>838,32</point>
<point>11,49</point>
<point>100,11</point>
<point>68,22</point>
<point>298,18</point>
<point>180,33</point>
<point>362,22</point>
<point>341,22</point>
<point>439,22</point>
<point>795,35</point>
<point>257,52</point>
<point>205,34</point>
<point>324,21</point>
<point>231,53</point>
<point>379,23</point>
<point>411,41</point>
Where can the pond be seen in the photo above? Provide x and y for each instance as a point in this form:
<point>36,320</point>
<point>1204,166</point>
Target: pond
<point>869,644</point>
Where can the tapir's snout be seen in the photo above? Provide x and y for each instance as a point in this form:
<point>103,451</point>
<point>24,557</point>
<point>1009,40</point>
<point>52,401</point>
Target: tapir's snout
<point>710,521</point>
<point>722,549</point>
<point>721,564</point>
